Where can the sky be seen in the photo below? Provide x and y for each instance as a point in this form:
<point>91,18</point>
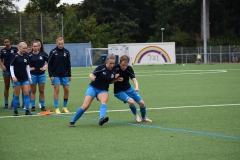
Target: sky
<point>22,3</point>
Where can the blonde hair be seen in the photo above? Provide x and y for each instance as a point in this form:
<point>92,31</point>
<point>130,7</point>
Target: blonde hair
<point>124,58</point>
<point>22,44</point>
<point>59,39</point>
<point>111,57</point>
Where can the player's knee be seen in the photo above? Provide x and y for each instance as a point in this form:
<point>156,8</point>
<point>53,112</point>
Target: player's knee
<point>7,86</point>
<point>41,92</point>
<point>131,102</point>
<point>141,103</point>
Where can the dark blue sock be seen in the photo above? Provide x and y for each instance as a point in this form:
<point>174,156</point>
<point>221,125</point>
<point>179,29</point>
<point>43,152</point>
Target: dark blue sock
<point>78,114</point>
<point>133,109</point>
<point>23,100</point>
<point>103,110</point>
<point>42,102</point>
<point>65,101</point>
<point>15,102</point>
<point>33,103</point>
<point>143,112</point>
<point>6,102</point>
<point>26,101</point>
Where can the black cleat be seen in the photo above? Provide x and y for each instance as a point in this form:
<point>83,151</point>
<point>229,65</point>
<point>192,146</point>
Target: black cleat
<point>43,108</point>
<point>28,113</point>
<point>103,120</point>
<point>71,124</point>
<point>33,109</point>
<point>15,113</point>
<point>5,107</point>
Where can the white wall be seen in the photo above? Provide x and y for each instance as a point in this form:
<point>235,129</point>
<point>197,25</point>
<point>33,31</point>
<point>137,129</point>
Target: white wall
<point>146,53</point>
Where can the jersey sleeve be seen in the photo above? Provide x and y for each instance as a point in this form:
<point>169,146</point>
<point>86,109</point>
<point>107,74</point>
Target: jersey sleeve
<point>97,70</point>
<point>45,57</point>
<point>69,65</point>
<point>131,72</point>
<point>13,60</point>
<point>1,55</point>
<point>50,64</point>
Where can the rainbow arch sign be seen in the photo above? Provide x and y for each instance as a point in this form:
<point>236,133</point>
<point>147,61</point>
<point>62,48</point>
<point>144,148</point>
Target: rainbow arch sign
<point>146,53</point>
<point>152,50</point>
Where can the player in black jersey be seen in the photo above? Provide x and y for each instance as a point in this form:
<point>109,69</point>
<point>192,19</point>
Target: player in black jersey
<point>38,65</point>
<point>100,78</point>
<point>40,49</point>
<point>59,68</point>
<point>125,92</point>
<point>21,77</point>
<point>5,60</point>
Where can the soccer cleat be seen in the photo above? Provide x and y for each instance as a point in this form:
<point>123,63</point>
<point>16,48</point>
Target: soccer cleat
<point>33,109</point>
<point>103,120</point>
<point>15,113</point>
<point>147,120</point>
<point>65,110</point>
<point>23,107</point>
<point>137,118</point>
<point>71,124</point>
<point>43,108</point>
<point>5,107</point>
<point>57,111</point>
<point>28,113</point>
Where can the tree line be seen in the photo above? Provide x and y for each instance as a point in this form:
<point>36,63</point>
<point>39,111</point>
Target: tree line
<point>104,22</point>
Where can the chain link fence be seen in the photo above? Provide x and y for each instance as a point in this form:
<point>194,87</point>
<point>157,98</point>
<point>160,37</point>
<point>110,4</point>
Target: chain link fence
<point>27,27</point>
<point>47,27</point>
<point>215,54</point>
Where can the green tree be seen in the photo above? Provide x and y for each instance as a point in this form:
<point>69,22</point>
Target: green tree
<point>45,6</point>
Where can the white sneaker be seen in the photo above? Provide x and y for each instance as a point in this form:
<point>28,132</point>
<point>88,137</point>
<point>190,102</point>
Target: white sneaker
<point>39,105</point>
<point>137,118</point>
<point>147,119</point>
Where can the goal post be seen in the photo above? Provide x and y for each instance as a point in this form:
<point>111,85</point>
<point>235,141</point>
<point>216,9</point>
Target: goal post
<point>94,56</point>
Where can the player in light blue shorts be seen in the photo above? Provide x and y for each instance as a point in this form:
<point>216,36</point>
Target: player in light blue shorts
<point>129,93</point>
<point>59,69</point>
<point>38,65</point>
<point>93,92</point>
<point>41,79</point>
<point>6,73</point>
<point>64,81</point>
<point>100,78</point>
<point>21,77</point>
<point>125,92</point>
<point>5,60</point>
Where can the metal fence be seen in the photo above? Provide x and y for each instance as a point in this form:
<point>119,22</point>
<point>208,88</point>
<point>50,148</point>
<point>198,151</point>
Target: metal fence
<point>49,26</point>
<point>20,26</point>
<point>215,54</point>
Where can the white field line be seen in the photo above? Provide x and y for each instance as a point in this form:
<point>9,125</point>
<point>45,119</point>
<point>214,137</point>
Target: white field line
<point>161,73</point>
<point>126,110</point>
<point>201,71</point>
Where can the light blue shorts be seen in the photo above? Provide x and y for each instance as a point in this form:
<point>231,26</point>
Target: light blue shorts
<point>64,81</point>
<point>40,79</point>
<point>129,93</point>
<point>6,73</point>
<point>93,92</point>
<point>20,83</point>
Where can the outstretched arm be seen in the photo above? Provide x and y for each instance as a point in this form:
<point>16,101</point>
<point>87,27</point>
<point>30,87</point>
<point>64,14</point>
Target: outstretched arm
<point>135,84</point>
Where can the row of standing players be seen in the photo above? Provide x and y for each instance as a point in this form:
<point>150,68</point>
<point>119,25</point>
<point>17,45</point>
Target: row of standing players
<point>31,68</point>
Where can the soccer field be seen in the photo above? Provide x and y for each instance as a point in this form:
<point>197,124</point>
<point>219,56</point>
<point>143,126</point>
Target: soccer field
<point>195,111</point>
